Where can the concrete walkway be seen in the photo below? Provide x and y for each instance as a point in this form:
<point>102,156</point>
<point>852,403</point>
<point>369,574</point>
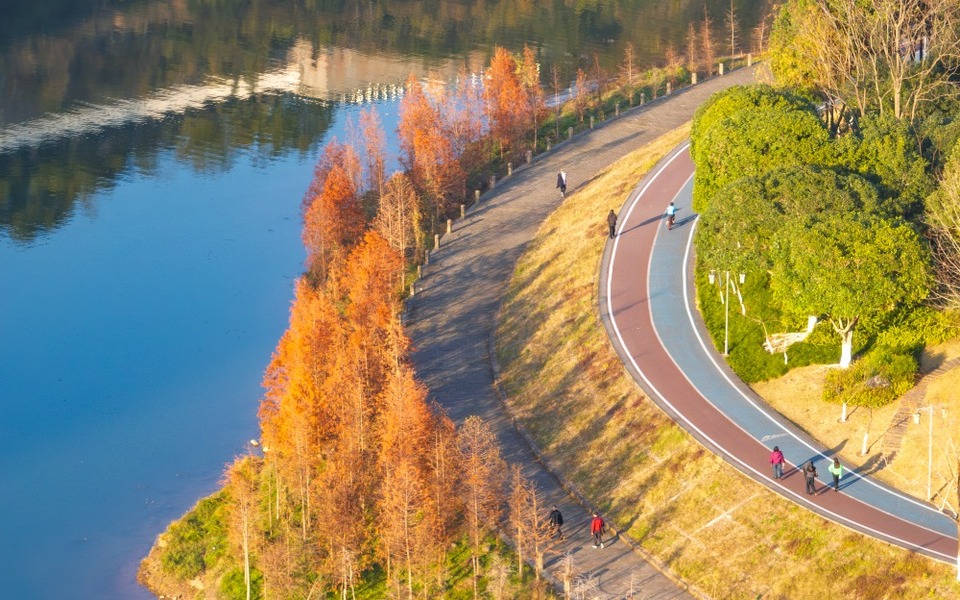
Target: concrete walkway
<point>452,318</point>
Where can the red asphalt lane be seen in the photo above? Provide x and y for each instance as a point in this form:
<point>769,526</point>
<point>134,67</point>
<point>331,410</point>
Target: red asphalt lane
<point>628,309</point>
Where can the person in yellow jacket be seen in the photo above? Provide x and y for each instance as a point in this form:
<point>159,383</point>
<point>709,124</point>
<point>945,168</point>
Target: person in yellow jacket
<point>836,469</point>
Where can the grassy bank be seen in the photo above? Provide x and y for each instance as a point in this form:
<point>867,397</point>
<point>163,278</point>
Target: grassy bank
<point>711,525</point>
<point>194,558</point>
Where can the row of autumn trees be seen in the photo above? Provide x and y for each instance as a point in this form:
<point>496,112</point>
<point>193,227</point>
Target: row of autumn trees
<point>360,472</point>
<point>452,137</point>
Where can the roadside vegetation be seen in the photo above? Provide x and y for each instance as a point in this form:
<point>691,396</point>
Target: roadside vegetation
<point>703,520</point>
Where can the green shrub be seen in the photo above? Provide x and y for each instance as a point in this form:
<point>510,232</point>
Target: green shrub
<point>911,331</point>
<point>741,227</point>
<point>747,333</point>
<point>748,131</point>
<point>233,588</point>
<point>877,379</point>
<point>198,540</point>
<point>940,131</point>
<point>884,150</point>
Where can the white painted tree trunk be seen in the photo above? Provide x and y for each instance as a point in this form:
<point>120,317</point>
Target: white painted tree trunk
<point>846,348</point>
<point>843,413</point>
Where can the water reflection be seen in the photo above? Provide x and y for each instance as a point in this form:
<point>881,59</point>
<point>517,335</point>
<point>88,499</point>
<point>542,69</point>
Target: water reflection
<point>41,185</point>
<point>124,49</point>
<point>90,90</point>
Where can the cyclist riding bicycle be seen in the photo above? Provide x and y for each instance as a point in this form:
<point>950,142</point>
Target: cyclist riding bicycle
<point>671,214</point>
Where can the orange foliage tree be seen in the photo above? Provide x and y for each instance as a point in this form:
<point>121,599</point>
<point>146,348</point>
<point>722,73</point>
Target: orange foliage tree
<point>373,149</point>
<point>529,72</point>
<point>427,151</point>
<point>506,104</point>
<point>296,418</point>
<point>332,210</point>
<point>462,111</point>
<point>244,531</point>
<point>483,473</point>
<point>398,217</point>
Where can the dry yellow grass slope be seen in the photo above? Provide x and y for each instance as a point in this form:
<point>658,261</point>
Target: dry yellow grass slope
<point>712,526</point>
<point>797,395</point>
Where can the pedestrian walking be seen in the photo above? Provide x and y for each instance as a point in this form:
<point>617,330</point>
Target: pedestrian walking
<point>836,469</point>
<point>810,474</point>
<point>612,222</point>
<point>556,519</point>
<point>562,182</point>
<point>597,529</point>
<point>776,459</point>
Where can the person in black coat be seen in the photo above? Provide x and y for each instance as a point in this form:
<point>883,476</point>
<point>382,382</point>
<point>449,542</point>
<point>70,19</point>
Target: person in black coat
<point>562,182</point>
<point>810,474</point>
<point>612,222</point>
<point>556,519</point>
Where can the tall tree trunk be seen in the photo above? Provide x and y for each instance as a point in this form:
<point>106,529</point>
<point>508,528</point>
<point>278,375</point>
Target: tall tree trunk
<point>846,348</point>
<point>844,327</point>
<point>957,511</point>
<point>246,551</point>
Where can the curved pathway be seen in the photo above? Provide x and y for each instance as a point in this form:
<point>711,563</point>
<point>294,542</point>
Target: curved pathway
<point>648,306</point>
<point>452,317</point>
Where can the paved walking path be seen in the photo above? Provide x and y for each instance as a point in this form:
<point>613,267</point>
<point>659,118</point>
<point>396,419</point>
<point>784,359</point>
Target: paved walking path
<point>648,304</point>
<point>451,319</point>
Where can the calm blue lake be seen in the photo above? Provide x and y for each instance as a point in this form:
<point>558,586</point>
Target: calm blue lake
<point>134,339</point>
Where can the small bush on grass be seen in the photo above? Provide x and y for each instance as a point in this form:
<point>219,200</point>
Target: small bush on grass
<point>880,377</point>
<point>233,588</point>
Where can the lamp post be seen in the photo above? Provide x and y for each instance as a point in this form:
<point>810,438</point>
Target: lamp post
<point>725,297</point>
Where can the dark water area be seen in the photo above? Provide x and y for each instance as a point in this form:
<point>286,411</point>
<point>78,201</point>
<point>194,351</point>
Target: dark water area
<point>153,158</point>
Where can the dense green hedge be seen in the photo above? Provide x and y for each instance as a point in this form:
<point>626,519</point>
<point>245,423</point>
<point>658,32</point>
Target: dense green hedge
<point>749,131</point>
<point>820,226</point>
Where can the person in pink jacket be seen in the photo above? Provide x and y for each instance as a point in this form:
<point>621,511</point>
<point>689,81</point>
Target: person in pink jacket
<point>776,459</point>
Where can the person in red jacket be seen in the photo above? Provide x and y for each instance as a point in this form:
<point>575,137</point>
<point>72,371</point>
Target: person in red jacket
<point>776,459</point>
<point>597,528</point>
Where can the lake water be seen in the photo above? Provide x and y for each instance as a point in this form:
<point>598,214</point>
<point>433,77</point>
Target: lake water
<point>153,157</point>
